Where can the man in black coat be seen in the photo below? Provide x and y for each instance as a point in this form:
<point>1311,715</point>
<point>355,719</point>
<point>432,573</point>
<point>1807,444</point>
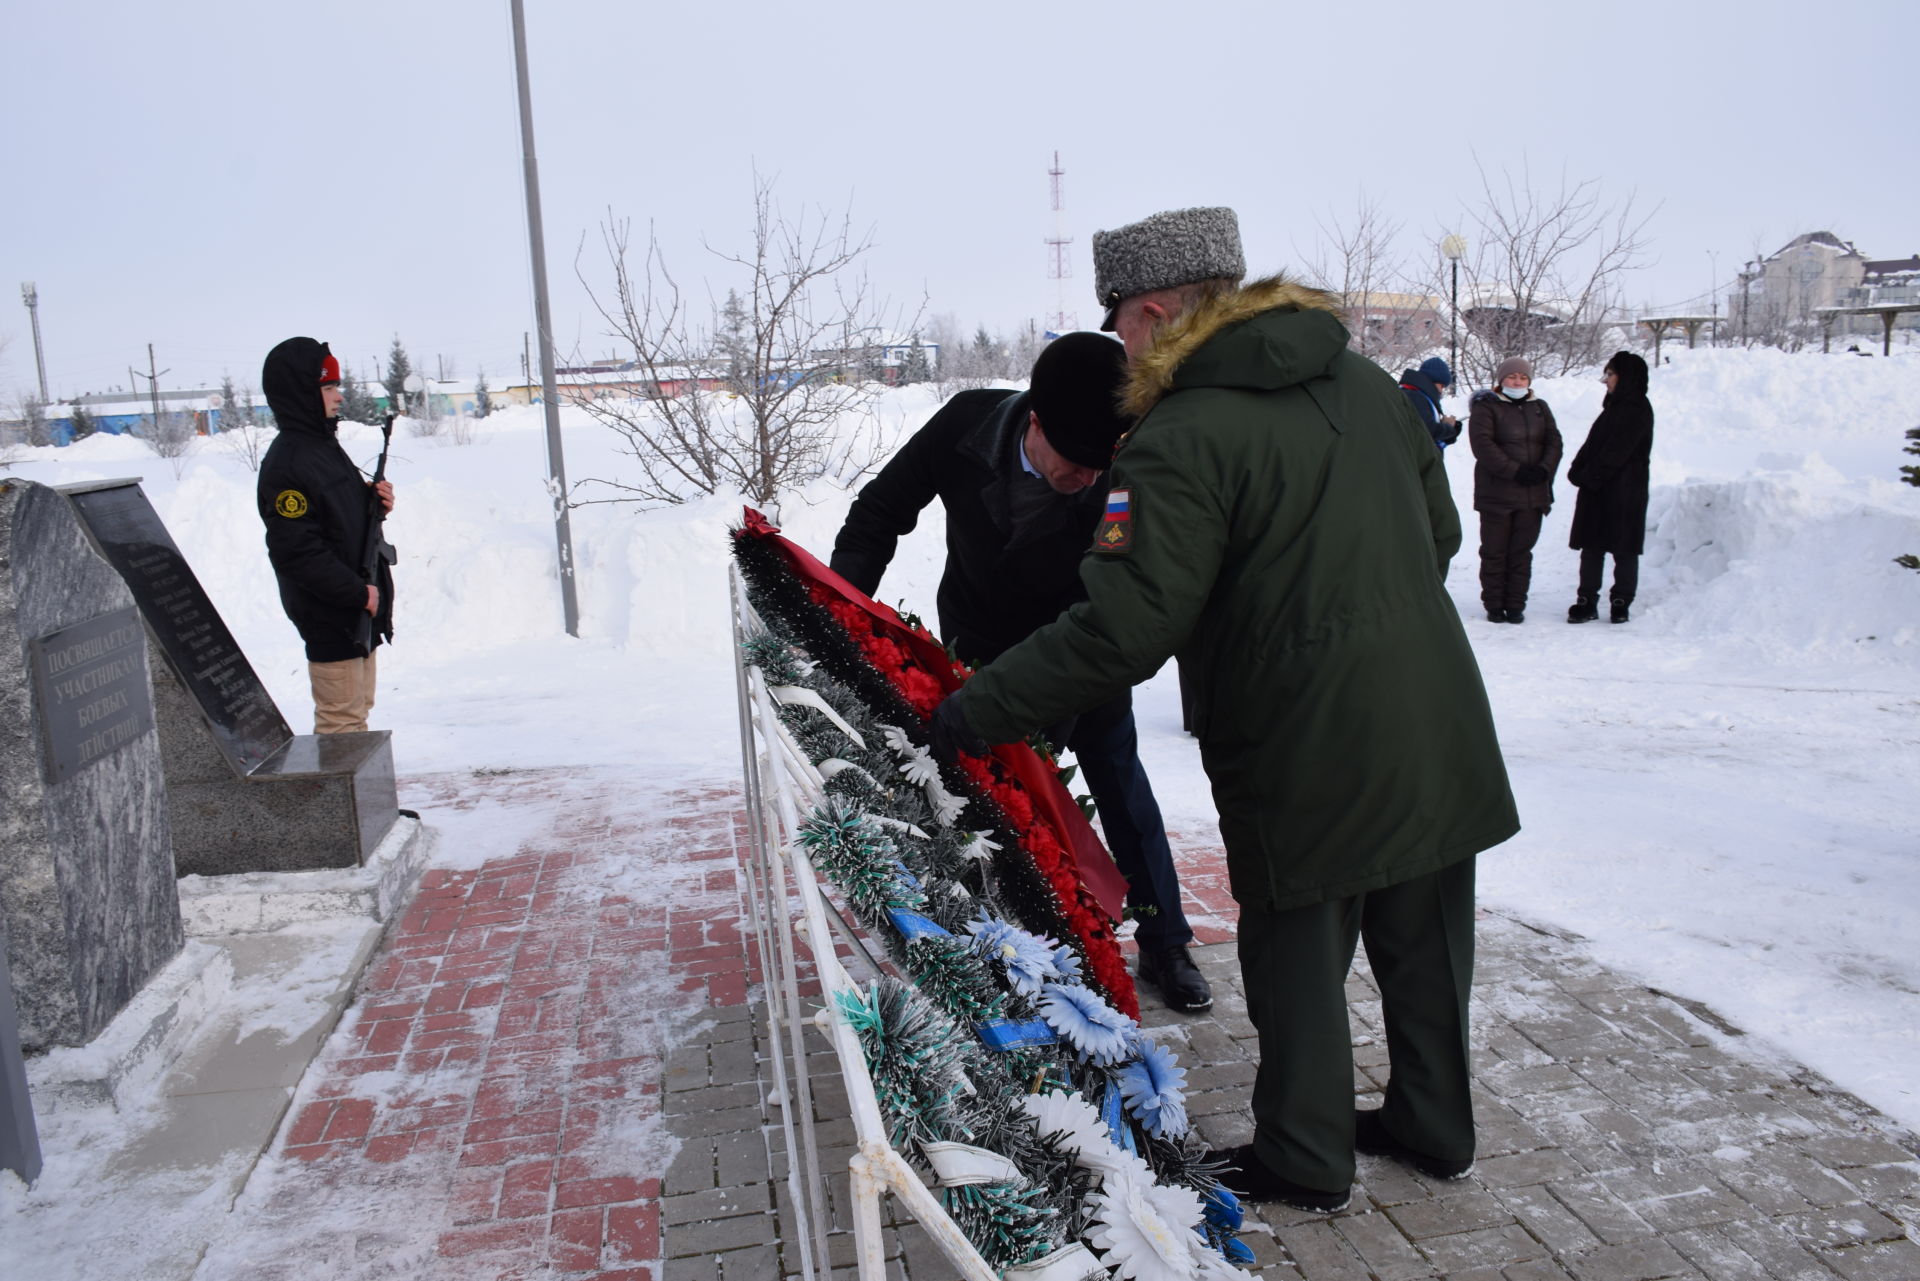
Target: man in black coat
<point>1424,387</point>
<point>1019,475</point>
<point>314,503</point>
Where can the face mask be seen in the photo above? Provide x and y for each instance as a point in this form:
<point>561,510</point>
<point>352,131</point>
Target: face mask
<point>1515,393</point>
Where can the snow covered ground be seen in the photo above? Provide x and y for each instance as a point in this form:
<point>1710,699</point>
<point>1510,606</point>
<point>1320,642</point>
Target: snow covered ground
<point>1719,794</point>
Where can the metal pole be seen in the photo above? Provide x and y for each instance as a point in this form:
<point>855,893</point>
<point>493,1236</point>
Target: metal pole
<point>31,296</point>
<point>543,321</point>
<point>1453,348</point>
<point>153,386</point>
<point>19,1138</point>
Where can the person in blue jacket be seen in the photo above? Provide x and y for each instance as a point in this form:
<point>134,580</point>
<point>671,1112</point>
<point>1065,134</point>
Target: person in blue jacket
<point>1424,387</point>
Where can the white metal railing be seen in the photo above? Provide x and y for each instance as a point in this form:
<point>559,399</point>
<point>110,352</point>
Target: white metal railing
<point>785,900</point>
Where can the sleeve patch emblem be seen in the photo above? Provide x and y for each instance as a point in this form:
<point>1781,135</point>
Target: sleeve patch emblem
<point>290,503</point>
<point>1115,533</point>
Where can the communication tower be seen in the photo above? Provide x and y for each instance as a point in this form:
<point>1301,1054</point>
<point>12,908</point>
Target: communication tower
<point>1059,265</point>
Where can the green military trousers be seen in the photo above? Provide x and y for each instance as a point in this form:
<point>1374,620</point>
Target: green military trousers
<point>1419,937</point>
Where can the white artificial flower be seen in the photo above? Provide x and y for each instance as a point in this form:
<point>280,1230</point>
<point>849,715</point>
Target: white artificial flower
<point>946,806</point>
<point>1143,1231</point>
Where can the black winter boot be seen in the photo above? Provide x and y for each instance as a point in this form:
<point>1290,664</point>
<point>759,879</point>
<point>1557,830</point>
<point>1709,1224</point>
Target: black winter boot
<point>1516,616</point>
<point>1181,984</point>
<point>1496,616</point>
<point>1619,614</point>
<point>1585,610</point>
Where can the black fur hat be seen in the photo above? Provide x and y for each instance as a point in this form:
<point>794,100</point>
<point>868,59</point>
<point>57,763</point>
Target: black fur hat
<point>1632,371</point>
<point>1076,394</point>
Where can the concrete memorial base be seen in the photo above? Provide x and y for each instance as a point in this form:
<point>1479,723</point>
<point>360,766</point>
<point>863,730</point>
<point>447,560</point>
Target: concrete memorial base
<point>260,902</point>
<point>143,1041</point>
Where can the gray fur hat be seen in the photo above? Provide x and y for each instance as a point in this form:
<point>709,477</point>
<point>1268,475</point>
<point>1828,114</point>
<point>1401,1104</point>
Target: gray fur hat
<point>1178,247</point>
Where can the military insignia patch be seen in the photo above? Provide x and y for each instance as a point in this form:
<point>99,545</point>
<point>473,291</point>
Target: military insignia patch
<point>291,503</point>
<point>1116,526</point>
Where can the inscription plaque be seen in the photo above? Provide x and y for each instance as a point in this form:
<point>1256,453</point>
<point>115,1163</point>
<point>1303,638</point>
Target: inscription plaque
<point>246,723</point>
<point>91,679</point>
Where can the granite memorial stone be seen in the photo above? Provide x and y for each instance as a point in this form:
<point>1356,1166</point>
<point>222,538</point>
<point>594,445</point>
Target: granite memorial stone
<point>244,792</point>
<point>86,860</point>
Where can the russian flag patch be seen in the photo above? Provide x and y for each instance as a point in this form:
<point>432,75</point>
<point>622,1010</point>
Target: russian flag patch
<point>1116,524</point>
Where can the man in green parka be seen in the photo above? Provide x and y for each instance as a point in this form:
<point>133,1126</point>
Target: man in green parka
<point>1280,520</point>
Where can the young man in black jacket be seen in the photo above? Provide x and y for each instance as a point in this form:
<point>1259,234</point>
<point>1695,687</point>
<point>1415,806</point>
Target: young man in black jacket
<point>1021,475</point>
<point>314,503</point>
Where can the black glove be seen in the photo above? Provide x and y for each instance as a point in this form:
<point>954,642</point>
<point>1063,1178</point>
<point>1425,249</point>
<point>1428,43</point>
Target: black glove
<point>950,732</point>
<point>1530,474</point>
<point>1447,432</point>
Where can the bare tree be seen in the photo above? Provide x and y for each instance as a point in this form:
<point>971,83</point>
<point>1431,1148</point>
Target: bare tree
<point>240,435</point>
<point>1546,267</point>
<point>1355,260</point>
<point>171,435</point>
<point>775,394</point>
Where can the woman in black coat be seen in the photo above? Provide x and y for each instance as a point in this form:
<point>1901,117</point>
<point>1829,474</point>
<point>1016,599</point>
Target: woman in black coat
<point>1610,471</point>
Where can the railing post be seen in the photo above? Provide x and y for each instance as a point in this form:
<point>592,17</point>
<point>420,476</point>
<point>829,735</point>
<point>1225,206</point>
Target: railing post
<point>19,1137</point>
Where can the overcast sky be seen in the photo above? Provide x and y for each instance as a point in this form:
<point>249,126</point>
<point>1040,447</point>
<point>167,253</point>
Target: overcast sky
<point>216,175</point>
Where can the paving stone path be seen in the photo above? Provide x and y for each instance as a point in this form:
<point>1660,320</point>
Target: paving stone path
<point>1625,1135</point>
<point>556,1068</point>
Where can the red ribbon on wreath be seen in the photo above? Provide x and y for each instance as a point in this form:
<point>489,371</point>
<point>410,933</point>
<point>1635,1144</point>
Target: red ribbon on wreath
<point>1088,888</point>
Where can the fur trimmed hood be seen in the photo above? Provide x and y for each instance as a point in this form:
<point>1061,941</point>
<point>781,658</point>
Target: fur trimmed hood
<point>1300,341</point>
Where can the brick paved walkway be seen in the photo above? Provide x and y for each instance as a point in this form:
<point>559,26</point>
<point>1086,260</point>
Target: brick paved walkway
<point>490,1107</point>
<point>1624,1136</point>
<point>553,1070</point>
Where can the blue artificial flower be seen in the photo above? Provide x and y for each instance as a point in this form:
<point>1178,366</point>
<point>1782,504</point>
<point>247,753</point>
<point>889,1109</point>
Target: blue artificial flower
<point>1028,960</point>
<point>1155,1087</point>
<point>1067,961</point>
<point>1223,1208</point>
<point>1097,1032</point>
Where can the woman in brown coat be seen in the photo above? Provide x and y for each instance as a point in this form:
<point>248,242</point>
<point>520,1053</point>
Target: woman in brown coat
<point>1516,451</point>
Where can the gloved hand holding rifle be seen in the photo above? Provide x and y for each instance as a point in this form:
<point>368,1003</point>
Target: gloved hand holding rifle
<point>377,551</point>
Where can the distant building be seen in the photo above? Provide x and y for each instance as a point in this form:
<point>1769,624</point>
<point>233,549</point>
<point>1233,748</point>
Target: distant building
<point>1395,326</point>
<point>119,413</point>
<point>1781,293</point>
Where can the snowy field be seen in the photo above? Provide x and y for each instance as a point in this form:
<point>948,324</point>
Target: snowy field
<point>1719,795</point>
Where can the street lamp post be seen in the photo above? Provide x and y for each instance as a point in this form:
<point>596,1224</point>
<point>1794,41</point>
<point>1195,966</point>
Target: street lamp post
<point>1453,248</point>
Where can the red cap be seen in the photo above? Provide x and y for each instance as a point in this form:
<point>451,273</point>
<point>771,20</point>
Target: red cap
<point>330,369</point>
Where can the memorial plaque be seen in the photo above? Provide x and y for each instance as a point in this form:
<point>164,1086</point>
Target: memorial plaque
<point>202,652</point>
<point>92,682</point>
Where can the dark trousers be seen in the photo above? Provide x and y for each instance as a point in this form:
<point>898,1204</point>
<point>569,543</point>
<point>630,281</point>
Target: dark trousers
<point>1506,557</point>
<point>1419,937</point>
<point>1593,566</point>
<point>1107,746</point>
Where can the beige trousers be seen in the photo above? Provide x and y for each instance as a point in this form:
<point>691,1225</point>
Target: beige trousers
<point>342,694</point>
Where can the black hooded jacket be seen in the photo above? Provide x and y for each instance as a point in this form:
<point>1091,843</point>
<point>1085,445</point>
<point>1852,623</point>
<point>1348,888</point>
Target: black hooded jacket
<point>1612,468</point>
<point>314,503</point>
<point>1005,577</point>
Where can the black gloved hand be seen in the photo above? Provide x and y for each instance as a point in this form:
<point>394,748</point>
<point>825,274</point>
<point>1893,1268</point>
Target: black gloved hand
<point>1530,474</point>
<point>1448,431</point>
<point>950,733</point>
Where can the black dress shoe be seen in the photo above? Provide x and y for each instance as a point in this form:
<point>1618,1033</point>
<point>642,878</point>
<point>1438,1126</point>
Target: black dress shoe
<point>1182,986</point>
<point>1370,1136</point>
<point>1251,1180</point>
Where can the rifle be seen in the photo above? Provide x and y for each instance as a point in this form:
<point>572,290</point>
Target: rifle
<point>375,549</point>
